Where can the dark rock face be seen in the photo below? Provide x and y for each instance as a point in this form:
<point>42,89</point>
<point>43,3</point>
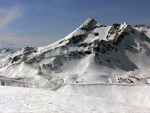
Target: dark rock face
<point>24,54</point>
<point>110,55</point>
<point>87,52</point>
<point>77,39</point>
<point>119,32</point>
<point>89,25</point>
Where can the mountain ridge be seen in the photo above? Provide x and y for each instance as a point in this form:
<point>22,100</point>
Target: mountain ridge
<point>92,53</point>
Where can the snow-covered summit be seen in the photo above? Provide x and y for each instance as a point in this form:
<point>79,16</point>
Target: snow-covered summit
<point>93,53</point>
<point>90,24</point>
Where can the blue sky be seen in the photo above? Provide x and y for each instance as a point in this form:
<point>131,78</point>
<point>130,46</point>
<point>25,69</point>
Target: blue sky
<point>41,22</point>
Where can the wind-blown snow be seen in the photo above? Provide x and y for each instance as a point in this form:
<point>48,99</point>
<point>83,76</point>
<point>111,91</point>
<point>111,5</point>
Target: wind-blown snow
<point>125,93</point>
<point>29,100</point>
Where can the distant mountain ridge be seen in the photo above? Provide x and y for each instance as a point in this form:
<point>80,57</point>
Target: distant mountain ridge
<point>93,53</point>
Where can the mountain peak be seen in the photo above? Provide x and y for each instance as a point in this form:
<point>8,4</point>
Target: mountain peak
<point>90,19</point>
<point>119,31</point>
<point>90,24</point>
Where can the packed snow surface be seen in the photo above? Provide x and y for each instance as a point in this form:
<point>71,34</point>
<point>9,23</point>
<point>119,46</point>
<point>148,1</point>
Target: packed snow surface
<point>30,100</point>
<point>125,93</point>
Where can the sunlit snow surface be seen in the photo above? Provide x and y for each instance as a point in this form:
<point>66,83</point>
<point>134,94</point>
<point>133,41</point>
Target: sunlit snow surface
<point>30,100</point>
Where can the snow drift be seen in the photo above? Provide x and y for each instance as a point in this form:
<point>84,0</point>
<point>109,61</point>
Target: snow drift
<point>30,100</point>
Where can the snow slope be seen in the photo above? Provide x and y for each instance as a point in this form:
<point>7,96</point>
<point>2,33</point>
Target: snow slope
<point>29,100</point>
<point>5,56</point>
<point>125,93</point>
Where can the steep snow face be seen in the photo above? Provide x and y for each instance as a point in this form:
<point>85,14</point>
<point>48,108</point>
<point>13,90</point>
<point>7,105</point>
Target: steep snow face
<point>5,56</point>
<point>93,53</point>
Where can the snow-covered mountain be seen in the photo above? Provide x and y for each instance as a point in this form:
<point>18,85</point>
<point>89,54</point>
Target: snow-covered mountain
<point>93,53</point>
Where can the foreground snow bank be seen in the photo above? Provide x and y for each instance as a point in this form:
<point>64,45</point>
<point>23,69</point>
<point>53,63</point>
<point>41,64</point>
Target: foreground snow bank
<point>129,94</point>
<point>25,100</point>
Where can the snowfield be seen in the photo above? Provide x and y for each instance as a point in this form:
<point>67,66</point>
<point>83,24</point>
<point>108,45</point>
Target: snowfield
<point>124,93</point>
<point>30,100</point>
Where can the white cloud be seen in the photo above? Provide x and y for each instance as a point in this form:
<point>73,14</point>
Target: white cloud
<point>8,15</point>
